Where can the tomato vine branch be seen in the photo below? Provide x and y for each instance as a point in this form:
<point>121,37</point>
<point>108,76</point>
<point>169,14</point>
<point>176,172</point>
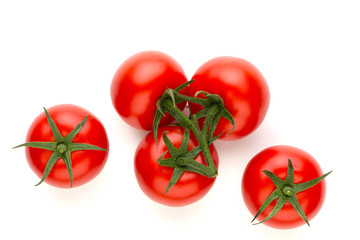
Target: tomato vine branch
<point>182,160</point>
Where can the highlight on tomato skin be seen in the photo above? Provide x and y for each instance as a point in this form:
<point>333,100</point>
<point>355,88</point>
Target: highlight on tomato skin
<point>243,89</point>
<point>138,84</point>
<point>257,186</point>
<point>154,178</point>
<point>86,163</point>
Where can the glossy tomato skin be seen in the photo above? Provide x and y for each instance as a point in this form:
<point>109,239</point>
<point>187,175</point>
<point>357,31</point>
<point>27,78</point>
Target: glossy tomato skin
<point>139,82</point>
<point>86,164</point>
<point>153,178</point>
<point>244,91</point>
<point>256,186</point>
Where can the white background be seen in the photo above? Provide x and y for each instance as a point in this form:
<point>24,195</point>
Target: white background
<point>54,52</point>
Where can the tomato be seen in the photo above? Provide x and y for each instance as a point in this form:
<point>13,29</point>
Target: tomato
<point>154,178</point>
<point>257,186</point>
<point>241,86</point>
<point>86,164</point>
<point>139,82</point>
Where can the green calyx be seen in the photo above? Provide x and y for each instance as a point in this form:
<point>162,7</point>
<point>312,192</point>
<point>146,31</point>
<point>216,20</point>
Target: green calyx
<point>61,147</point>
<point>286,191</point>
<point>182,159</point>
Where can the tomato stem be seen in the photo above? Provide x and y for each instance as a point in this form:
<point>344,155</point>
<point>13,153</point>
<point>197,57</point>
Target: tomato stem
<point>61,148</point>
<point>287,190</point>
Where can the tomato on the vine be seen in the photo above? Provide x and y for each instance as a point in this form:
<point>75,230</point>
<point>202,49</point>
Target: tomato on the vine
<point>276,182</point>
<point>241,86</point>
<point>66,146</point>
<point>154,178</point>
<point>138,84</point>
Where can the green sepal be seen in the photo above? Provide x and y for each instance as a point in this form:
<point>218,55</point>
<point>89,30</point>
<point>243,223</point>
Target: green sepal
<point>289,180</point>
<point>156,123</point>
<point>212,98</point>
<point>167,95</point>
<point>51,146</point>
<point>190,165</point>
<point>227,115</point>
<point>55,156</point>
<point>206,94</point>
<point>280,203</point>
<point>185,141</point>
<point>67,159</point>
<point>306,185</point>
<point>213,125</point>
<point>295,203</point>
<point>183,86</point>
<point>171,148</point>
<point>54,129</point>
<point>275,179</point>
<point>187,164</point>
<point>174,178</point>
<point>85,146</point>
<point>274,195</point>
<point>286,191</point>
<point>168,162</point>
<point>68,138</point>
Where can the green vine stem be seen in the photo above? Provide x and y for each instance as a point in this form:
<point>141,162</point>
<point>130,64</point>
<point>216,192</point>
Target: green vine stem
<point>201,136</point>
<point>213,110</point>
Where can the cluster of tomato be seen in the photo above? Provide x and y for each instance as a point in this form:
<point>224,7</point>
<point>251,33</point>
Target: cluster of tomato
<point>176,163</point>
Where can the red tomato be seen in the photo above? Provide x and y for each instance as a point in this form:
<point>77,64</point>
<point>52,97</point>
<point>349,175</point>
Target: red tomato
<point>256,186</point>
<point>139,82</point>
<point>154,178</point>
<point>86,164</point>
<point>241,86</point>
